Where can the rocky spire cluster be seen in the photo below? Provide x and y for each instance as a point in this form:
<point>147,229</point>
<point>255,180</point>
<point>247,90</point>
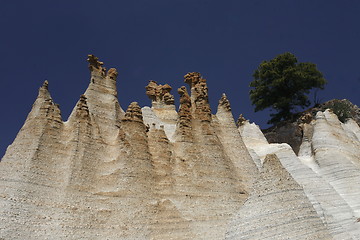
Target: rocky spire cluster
<point>133,113</point>
<point>159,93</point>
<point>50,109</point>
<point>199,96</point>
<point>96,66</point>
<point>106,172</point>
<point>224,102</point>
<point>82,108</point>
<point>184,120</point>
<point>241,120</point>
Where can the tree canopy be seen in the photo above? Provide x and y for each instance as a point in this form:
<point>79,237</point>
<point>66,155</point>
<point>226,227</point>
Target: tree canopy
<point>283,84</point>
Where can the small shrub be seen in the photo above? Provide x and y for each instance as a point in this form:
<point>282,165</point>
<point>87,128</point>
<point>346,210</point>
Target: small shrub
<point>342,109</point>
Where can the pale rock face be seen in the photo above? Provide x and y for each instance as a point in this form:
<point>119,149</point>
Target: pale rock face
<point>337,152</point>
<point>331,207</point>
<point>110,174</point>
<point>277,209</point>
<point>158,173</point>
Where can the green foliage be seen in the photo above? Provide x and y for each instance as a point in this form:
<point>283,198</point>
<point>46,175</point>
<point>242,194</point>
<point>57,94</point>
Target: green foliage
<point>283,84</point>
<point>342,109</point>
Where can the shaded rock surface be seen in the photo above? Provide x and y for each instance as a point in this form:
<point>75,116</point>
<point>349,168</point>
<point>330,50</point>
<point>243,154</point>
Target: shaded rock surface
<point>291,131</point>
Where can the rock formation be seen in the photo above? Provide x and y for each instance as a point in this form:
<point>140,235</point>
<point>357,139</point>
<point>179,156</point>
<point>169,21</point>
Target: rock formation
<point>318,159</point>
<point>199,96</point>
<point>158,173</point>
<point>159,93</point>
<point>185,116</point>
<point>162,111</point>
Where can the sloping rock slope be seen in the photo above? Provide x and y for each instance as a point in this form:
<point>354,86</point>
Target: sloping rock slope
<point>326,167</point>
<point>161,173</point>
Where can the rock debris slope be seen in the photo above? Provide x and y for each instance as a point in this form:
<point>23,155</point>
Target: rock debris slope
<point>161,173</point>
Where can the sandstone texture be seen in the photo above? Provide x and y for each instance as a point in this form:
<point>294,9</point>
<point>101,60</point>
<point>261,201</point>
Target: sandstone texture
<point>164,173</point>
<point>325,171</point>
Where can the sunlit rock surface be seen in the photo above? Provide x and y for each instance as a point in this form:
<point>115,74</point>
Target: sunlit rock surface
<point>164,173</point>
<point>331,204</point>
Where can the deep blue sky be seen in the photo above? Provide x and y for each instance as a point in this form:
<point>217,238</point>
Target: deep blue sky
<point>162,40</point>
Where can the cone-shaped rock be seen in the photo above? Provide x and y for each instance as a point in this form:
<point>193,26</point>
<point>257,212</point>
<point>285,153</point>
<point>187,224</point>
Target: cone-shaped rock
<point>102,99</point>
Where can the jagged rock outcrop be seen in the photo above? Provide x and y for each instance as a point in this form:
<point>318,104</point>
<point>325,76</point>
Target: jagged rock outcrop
<point>185,115</point>
<point>159,93</point>
<point>158,173</point>
<point>224,102</point>
<point>199,96</point>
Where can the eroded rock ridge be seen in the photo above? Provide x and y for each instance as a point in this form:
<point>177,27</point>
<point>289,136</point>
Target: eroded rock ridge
<point>158,173</point>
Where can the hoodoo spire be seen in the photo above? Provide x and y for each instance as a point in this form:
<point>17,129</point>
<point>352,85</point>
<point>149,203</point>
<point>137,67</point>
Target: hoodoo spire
<point>224,103</point>
<point>159,94</point>
<point>96,67</point>
<point>82,108</point>
<point>199,96</point>
<point>44,91</point>
<point>101,100</point>
<point>94,63</point>
<point>44,107</point>
<point>133,113</point>
<point>184,119</point>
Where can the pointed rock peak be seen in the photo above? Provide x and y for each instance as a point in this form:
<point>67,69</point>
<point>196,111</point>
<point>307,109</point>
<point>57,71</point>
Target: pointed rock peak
<point>133,113</point>
<point>45,84</point>
<point>224,102</point>
<point>151,89</point>
<point>241,120</point>
<point>198,86</point>
<point>184,120</point>
<point>95,65</point>
<point>94,62</point>
<point>192,78</point>
<point>55,113</point>
<point>184,96</point>
<point>82,107</point>
<point>44,106</point>
<point>199,96</point>
<point>44,91</point>
<point>159,93</point>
